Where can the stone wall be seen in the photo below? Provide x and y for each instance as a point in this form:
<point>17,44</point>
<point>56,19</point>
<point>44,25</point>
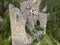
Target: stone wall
<point>18,33</point>
<point>28,12</point>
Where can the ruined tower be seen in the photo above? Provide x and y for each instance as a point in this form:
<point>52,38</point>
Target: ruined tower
<point>29,10</point>
<point>19,36</point>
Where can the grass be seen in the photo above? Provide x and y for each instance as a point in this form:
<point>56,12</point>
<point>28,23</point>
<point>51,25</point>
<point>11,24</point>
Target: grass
<point>48,40</point>
<point>8,41</point>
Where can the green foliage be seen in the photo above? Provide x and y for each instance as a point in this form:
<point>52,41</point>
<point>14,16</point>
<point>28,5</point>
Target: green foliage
<point>53,23</point>
<point>15,2</point>
<point>49,32</point>
<point>48,40</point>
<point>1,9</point>
<point>8,41</point>
<point>42,4</point>
<point>35,42</point>
<point>5,3</point>
<point>37,25</point>
<point>41,37</point>
<point>5,27</point>
<point>5,31</point>
<point>1,40</point>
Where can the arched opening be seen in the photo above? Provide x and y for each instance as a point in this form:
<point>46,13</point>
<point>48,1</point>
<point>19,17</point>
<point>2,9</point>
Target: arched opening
<point>38,22</point>
<point>37,26</point>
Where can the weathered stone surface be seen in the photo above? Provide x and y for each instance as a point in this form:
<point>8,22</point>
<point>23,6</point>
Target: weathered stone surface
<point>18,18</point>
<point>18,27</point>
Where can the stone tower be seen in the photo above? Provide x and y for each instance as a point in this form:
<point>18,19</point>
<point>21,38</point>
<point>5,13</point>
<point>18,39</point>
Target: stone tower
<point>19,36</point>
<point>28,12</point>
<point>31,8</point>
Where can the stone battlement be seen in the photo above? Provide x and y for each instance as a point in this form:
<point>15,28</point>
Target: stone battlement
<point>18,18</point>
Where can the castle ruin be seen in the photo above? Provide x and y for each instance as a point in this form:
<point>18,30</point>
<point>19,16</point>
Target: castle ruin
<point>28,12</point>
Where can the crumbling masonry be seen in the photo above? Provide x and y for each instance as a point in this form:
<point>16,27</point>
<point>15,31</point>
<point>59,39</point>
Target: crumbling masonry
<point>28,12</point>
